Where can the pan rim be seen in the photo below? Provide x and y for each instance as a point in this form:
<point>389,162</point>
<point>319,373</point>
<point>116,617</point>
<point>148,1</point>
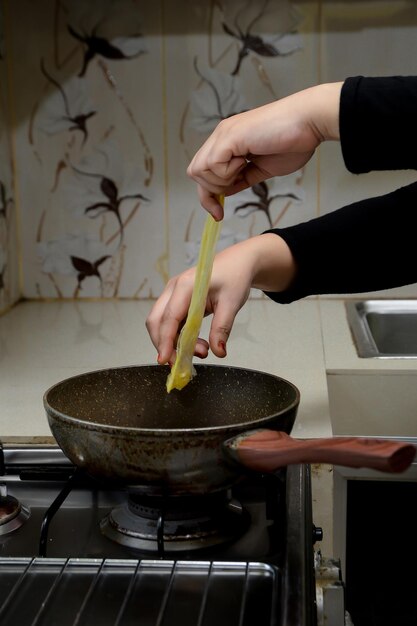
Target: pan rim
<point>129,430</point>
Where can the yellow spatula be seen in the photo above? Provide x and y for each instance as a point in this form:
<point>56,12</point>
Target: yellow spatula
<point>182,371</point>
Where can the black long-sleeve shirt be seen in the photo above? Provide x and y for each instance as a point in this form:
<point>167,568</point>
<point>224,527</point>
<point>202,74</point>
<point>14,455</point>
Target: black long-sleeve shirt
<point>372,244</point>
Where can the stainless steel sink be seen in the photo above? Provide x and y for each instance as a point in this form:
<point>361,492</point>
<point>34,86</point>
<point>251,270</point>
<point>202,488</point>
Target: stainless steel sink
<point>384,329</point>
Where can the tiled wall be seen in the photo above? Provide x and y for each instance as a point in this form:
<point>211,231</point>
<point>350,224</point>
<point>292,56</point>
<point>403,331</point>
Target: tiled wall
<point>9,281</point>
<point>111,98</point>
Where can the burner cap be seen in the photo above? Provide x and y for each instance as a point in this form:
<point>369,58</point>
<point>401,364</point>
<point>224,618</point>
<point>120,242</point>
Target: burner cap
<point>177,524</point>
<point>9,509</point>
<point>12,513</point>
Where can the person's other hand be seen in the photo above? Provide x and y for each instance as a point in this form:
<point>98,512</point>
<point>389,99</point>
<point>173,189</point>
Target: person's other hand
<point>272,140</point>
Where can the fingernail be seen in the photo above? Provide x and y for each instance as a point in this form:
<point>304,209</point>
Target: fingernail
<point>222,345</point>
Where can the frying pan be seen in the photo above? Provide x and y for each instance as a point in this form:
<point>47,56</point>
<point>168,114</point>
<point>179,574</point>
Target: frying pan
<point>121,425</point>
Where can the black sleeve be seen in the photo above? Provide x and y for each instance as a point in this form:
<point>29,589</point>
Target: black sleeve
<point>378,123</point>
<point>366,246</point>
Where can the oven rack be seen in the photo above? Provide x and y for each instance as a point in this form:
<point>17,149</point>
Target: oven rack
<point>120,592</point>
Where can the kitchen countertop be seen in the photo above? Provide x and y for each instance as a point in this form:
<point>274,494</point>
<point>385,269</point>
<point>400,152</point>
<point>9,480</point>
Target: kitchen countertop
<point>42,343</point>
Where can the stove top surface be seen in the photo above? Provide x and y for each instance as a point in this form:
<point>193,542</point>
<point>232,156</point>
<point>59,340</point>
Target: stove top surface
<point>76,529</point>
<point>55,543</point>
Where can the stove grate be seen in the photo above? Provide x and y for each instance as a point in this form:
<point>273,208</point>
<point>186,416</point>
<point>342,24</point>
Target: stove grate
<point>120,592</point>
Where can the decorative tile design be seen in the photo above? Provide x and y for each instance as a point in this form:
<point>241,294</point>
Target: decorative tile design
<point>116,96</point>
<point>112,102</point>
<point>88,100</point>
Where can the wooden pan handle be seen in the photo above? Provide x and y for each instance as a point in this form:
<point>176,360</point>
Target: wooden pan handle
<point>267,450</point>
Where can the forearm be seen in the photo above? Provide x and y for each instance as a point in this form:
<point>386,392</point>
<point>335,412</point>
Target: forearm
<point>322,106</point>
<point>271,261</point>
<point>366,246</point>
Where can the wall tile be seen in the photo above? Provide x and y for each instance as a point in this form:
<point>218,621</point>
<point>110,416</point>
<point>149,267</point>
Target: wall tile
<point>89,147</point>
<point>142,83</point>
<point>103,113</point>
<point>9,279</point>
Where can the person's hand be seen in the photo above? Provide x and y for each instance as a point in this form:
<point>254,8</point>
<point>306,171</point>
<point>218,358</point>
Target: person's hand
<point>264,262</point>
<point>271,140</point>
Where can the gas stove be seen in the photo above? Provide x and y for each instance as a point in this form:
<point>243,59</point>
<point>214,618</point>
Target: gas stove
<point>75,551</point>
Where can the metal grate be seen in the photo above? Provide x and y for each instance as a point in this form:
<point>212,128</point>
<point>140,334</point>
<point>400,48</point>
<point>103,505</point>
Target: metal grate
<point>120,592</point>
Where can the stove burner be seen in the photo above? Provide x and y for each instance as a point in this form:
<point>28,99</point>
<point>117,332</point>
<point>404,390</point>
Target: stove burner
<point>12,514</point>
<point>176,524</point>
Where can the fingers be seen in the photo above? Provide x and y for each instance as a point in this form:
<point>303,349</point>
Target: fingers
<point>214,180</point>
<point>164,320</point>
<point>168,315</point>
<point>201,348</point>
<point>153,328</point>
<point>222,166</point>
<point>229,289</point>
<point>259,168</point>
<point>215,174</point>
<point>225,311</point>
<point>210,202</point>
